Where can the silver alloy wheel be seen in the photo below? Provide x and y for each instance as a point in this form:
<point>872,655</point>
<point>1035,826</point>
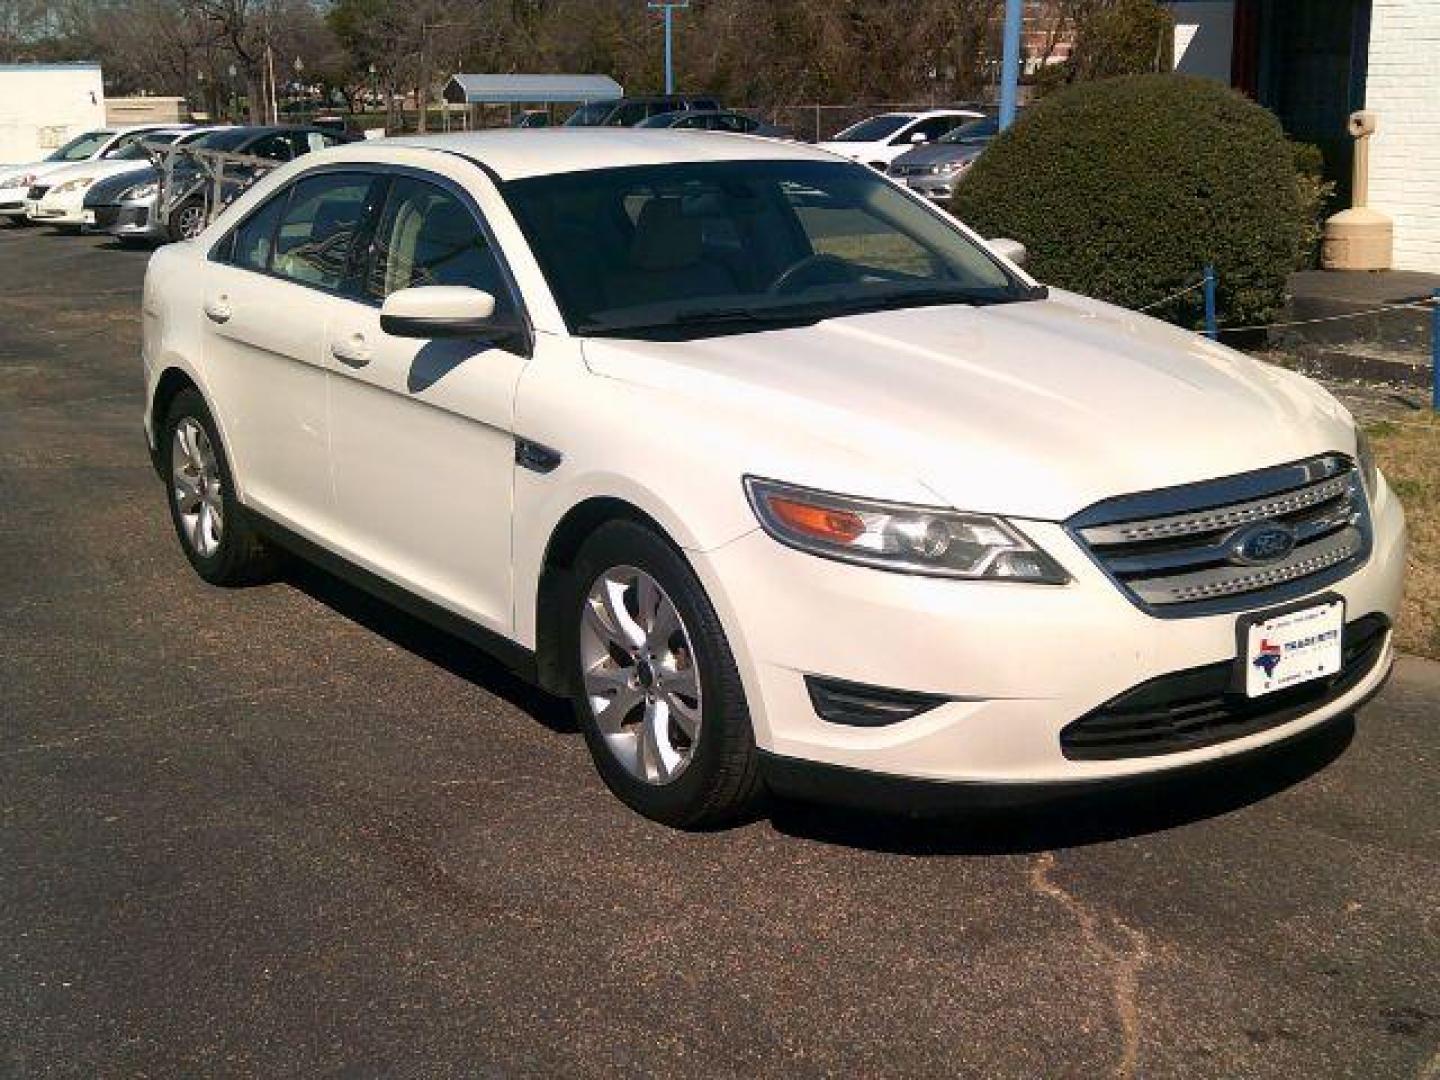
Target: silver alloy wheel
<point>639,671</point>
<point>192,221</point>
<point>195,487</point>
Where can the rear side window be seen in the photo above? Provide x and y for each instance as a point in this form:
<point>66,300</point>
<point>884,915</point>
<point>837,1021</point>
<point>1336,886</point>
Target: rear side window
<point>254,240</point>
<point>318,229</point>
<point>427,236</point>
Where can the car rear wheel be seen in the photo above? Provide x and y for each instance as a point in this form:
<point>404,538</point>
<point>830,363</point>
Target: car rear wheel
<point>658,694</point>
<point>214,529</point>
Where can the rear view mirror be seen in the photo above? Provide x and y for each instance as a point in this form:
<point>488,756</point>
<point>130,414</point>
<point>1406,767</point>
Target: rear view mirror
<point>1009,249</point>
<point>439,311</point>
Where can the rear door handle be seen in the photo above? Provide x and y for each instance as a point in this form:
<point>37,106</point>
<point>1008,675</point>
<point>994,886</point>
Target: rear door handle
<point>218,310</point>
<point>353,351</point>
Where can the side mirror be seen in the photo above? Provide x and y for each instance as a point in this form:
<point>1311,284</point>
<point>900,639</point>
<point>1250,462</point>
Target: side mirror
<point>439,311</point>
<point>1009,249</point>
<point>919,137</point>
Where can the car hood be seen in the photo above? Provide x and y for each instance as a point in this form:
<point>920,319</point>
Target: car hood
<point>931,153</point>
<point>41,170</point>
<point>110,188</point>
<point>98,169</point>
<point>1034,409</point>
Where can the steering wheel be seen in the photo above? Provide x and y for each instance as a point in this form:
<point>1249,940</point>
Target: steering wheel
<point>812,270</point>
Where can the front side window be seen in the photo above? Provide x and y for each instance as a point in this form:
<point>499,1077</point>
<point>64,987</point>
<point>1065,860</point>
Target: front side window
<point>932,129</point>
<point>317,232</point>
<point>82,147</point>
<point>427,236</point>
<point>709,245</point>
<point>592,114</point>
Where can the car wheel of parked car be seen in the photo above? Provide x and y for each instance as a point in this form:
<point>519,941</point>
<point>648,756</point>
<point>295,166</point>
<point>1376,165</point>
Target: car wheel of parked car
<point>187,220</point>
<point>217,536</point>
<point>659,697</point>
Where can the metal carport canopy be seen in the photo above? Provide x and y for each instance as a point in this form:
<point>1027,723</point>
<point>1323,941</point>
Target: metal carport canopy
<point>529,89</point>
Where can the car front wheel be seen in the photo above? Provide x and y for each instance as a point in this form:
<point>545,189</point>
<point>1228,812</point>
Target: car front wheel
<point>659,697</point>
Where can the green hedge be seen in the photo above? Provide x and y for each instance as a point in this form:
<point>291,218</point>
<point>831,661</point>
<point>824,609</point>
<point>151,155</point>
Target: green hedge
<point>1124,189</point>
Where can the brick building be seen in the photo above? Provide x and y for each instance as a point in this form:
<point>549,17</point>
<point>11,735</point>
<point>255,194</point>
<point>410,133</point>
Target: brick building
<point>1313,62</point>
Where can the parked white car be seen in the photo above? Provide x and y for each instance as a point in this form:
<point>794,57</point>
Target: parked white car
<point>779,472</point>
<point>17,181</point>
<point>59,197</point>
<point>879,140</point>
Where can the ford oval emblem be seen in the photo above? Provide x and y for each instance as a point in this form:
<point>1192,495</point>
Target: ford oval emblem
<point>1259,545</point>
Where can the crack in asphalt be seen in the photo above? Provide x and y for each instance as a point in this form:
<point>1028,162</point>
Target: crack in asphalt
<point>1126,962</point>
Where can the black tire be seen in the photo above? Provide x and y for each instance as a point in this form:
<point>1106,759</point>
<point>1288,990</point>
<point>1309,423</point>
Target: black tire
<point>721,784</point>
<point>173,226</point>
<point>242,557</point>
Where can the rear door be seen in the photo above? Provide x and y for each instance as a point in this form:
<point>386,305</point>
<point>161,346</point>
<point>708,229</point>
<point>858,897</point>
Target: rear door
<point>269,290</point>
<point>422,438</point>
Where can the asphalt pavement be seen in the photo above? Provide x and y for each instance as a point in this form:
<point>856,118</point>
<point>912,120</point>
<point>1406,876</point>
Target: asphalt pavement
<point>286,831</point>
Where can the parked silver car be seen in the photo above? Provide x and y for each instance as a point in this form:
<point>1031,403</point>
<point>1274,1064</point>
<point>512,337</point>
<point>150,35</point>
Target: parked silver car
<point>932,169</point>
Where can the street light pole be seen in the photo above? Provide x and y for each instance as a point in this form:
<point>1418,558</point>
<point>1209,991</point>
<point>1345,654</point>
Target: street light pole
<point>668,7</point>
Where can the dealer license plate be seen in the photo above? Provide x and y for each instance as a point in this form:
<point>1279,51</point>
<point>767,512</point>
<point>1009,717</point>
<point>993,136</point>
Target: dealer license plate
<point>1296,647</point>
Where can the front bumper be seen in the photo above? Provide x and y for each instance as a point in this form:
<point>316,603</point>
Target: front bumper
<point>12,201</point>
<point>57,210</point>
<point>1017,663</point>
<point>939,187</point>
<point>131,220</point>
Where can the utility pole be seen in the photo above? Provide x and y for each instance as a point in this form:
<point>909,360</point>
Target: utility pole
<point>668,7</point>
<point>1010,65</point>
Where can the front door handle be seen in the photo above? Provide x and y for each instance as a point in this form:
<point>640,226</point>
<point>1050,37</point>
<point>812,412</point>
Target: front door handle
<point>218,310</point>
<point>353,351</point>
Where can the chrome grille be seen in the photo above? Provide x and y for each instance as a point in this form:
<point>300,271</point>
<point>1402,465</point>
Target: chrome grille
<point>1172,552</point>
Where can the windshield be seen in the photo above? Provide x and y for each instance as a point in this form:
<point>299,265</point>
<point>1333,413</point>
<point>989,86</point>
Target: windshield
<point>136,151</point>
<point>228,139</point>
<point>975,131</point>
<point>874,129</point>
<point>715,246</point>
<point>592,114</point>
<point>82,147</point>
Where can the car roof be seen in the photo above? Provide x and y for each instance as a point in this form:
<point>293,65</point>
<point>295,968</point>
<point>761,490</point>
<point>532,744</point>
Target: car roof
<point>519,153</point>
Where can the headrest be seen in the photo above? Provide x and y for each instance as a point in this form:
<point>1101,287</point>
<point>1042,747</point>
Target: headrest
<point>664,238</point>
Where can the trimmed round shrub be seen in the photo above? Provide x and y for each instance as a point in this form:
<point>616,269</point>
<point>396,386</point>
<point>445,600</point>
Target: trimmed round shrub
<point>1124,189</point>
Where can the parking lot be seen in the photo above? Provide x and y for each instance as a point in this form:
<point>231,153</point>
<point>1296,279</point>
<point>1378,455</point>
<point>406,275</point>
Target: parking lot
<point>287,831</point>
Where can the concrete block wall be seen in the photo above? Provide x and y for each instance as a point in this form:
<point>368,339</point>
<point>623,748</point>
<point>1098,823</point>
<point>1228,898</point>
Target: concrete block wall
<point>1403,87</point>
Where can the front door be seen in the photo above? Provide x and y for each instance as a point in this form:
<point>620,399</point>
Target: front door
<point>421,431</point>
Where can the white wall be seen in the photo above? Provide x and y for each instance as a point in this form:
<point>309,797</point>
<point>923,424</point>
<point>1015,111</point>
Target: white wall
<point>43,106</point>
<point>1203,36</point>
<point>1403,87</point>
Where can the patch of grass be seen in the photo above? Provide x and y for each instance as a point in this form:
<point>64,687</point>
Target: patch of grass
<point>1409,454</point>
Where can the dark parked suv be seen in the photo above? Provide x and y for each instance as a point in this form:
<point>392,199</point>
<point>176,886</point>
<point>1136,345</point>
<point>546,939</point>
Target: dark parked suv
<point>629,111</point>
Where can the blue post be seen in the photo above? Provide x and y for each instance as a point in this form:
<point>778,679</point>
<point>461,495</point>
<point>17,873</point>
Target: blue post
<point>1010,63</point>
<point>669,50</point>
<point>668,7</point>
<point>1435,350</point>
<point>1212,322</point>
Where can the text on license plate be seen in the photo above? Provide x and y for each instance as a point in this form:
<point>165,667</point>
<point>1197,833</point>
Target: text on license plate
<point>1293,648</point>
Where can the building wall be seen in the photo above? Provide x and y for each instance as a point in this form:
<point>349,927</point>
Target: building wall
<point>1403,88</point>
<point>43,106</point>
<point>146,110</point>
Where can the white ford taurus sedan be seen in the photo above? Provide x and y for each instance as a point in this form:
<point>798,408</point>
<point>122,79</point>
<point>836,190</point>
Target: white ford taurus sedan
<point>784,476</point>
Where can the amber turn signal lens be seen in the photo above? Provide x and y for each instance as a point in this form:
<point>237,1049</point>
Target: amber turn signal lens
<point>823,523</point>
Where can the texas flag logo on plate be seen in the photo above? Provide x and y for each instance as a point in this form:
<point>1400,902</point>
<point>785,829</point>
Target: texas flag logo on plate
<point>1269,658</point>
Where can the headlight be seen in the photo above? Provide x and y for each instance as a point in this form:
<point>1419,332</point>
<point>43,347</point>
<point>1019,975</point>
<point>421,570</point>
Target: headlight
<point>140,191</point>
<point>947,167</point>
<point>24,180</point>
<point>78,184</point>
<point>1365,458</point>
<point>894,536</point>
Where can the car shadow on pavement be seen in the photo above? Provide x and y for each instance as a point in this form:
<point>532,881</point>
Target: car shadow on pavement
<point>460,658</point>
<point>1077,821</point>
